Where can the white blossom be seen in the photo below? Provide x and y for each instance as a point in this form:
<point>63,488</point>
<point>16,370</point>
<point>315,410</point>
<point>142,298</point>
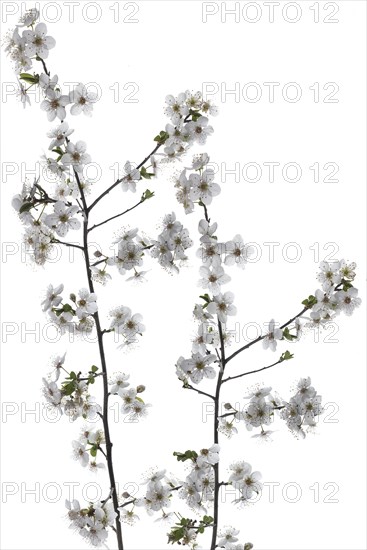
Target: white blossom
<point>222,305</point>
<point>59,134</point>
<point>347,271</point>
<point>329,274</point>
<point>23,95</point>
<point>132,175</point>
<point>227,535</point>
<point>52,298</point>
<point>62,220</point>
<point>80,453</point>
<point>76,156</point>
<point>28,18</point>
<point>207,231</point>
<point>199,130</point>
<point>48,83</point>
<point>274,334</point>
<point>198,367</point>
<point>38,43</point>
<point>82,100</point>
<point>176,107</point>
<point>86,303</point>
<point>119,382</point>
<point>51,392</point>
<point>54,105</point>
<point>227,427</point>
<point>213,279</point>
<point>348,300</point>
<point>237,252</point>
<point>203,187</point>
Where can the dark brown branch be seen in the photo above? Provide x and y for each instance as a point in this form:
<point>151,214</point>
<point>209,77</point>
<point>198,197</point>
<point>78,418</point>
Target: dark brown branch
<point>106,427</point>
<point>216,437</point>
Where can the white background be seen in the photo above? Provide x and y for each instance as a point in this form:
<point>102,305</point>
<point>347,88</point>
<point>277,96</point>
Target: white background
<point>170,50</point>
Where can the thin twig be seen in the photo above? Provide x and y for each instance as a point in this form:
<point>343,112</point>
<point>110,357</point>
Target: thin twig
<point>117,215</point>
<point>189,387</point>
<point>262,337</point>
<point>121,179</point>
<point>56,241</point>
<point>253,371</point>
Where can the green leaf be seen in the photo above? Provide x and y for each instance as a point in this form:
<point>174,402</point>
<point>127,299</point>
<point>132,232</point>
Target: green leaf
<point>93,451</point>
<point>67,307</point>
<point>346,285</point>
<point>288,336</point>
<point>207,520</point>
<point>195,114</point>
<point>161,137</point>
<point>147,195</point>
<point>176,534</point>
<point>72,375</point>
<point>286,355</point>
<point>30,78</point>
<point>25,207</point>
<point>69,388</point>
<point>188,455</point>
<point>94,368</point>
<point>310,301</point>
<point>145,174</point>
<point>206,298</point>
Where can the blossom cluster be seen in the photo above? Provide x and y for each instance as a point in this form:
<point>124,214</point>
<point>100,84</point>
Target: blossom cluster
<point>303,409</point>
<point>228,538</point>
<point>74,317</point>
<point>171,244</point>
<point>92,522</point>
<point>337,295</point>
<point>183,131</point>
<point>72,397</point>
<point>300,412</point>
<point>126,324</point>
<point>132,404</point>
<point>88,445</point>
<point>130,252</point>
<point>244,480</point>
<point>198,186</point>
<point>198,487</point>
<point>197,490</point>
<point>21,48</point>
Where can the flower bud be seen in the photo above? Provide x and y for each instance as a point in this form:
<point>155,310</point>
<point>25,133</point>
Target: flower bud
<point>248,546</point>
<point>228,406</point>
<point>73,297</point>
<point>125,495</point>
<point>97,254</point>
<point>140,388</point>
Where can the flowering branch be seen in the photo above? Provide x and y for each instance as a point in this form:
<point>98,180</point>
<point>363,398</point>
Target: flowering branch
<point>209,358</point>
<point>66,161</point>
